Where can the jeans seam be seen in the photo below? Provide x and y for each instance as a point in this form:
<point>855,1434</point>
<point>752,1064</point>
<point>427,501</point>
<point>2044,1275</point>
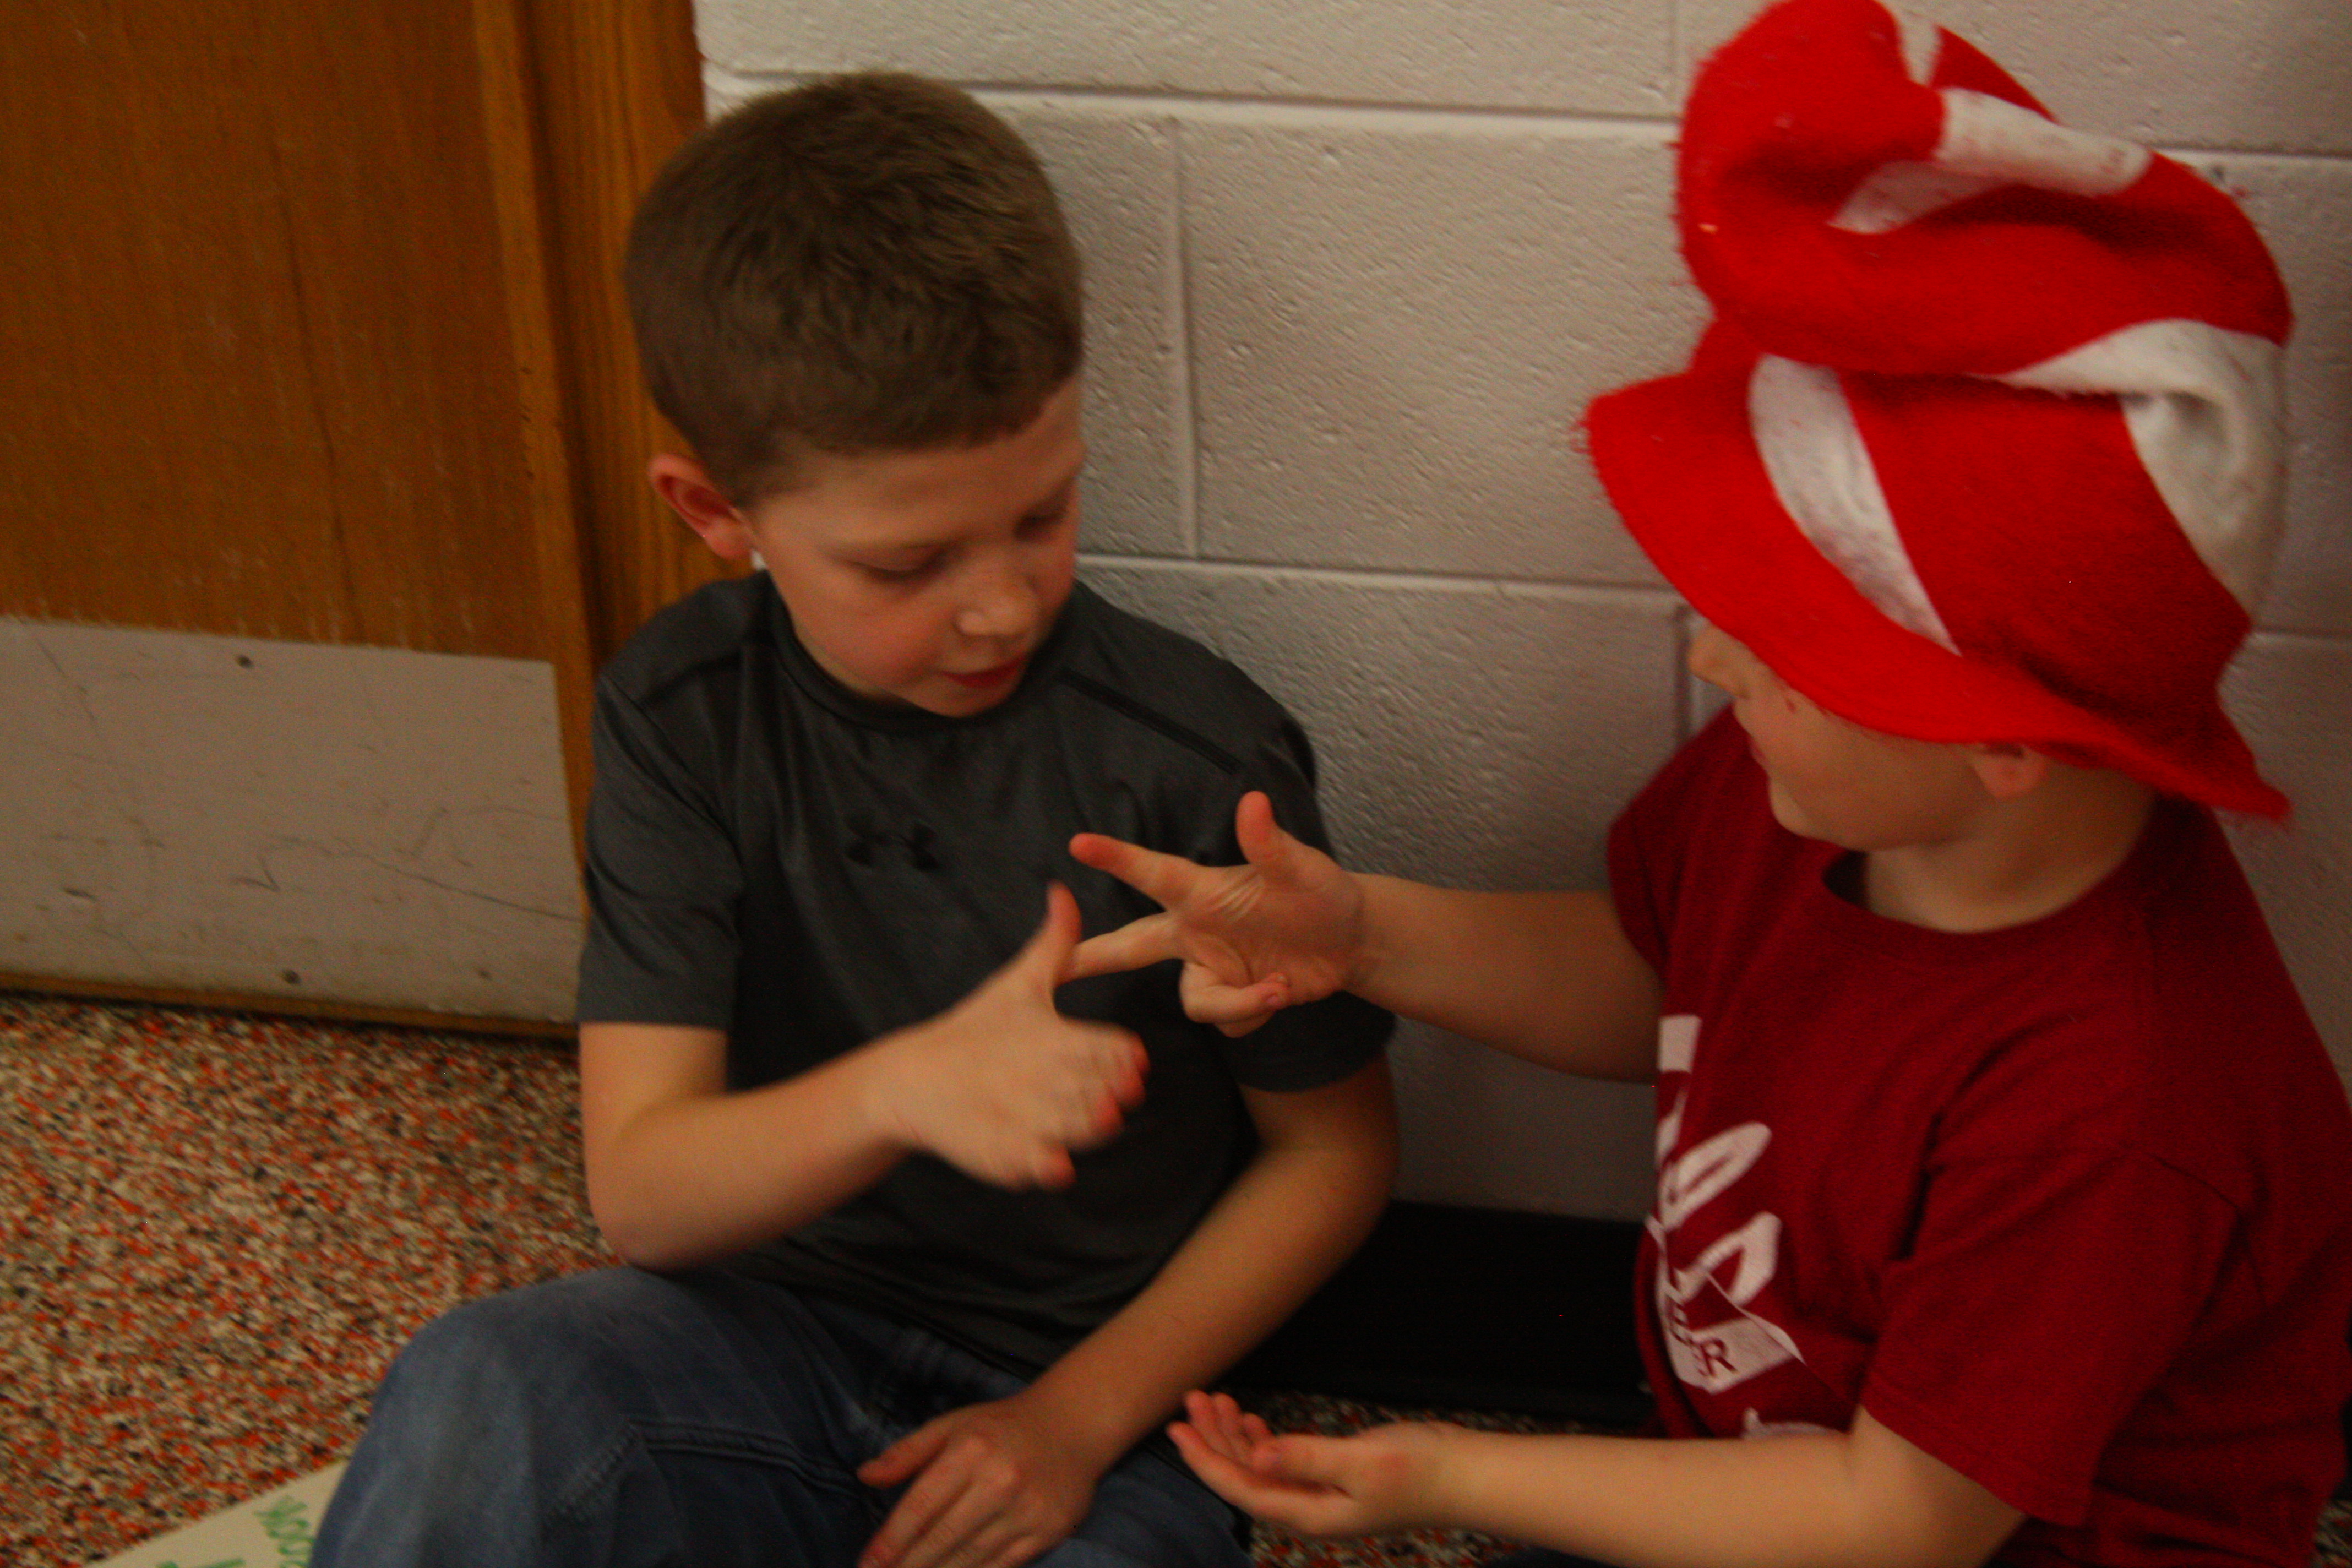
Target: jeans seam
<point>592,1479</point>
<point>649,1437</point>
<point>730,1443</point>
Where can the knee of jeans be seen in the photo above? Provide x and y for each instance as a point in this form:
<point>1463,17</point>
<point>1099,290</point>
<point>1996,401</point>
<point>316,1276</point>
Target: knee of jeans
<point>458,1358</point>
<point>504,1350</point>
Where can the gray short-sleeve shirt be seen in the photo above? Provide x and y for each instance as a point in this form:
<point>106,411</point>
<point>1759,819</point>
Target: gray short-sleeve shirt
<point>775,856</point>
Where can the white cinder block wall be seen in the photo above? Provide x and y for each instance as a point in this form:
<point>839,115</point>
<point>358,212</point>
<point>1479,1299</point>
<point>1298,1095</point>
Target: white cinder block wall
<point>1354,269</point>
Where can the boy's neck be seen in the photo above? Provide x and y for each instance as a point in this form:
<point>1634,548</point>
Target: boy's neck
<point>2016,861</point>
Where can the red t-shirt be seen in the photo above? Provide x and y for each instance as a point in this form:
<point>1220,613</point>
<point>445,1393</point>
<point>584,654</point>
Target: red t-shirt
<point>2067,1206</point>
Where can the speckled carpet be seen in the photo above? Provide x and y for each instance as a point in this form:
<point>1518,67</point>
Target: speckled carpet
<point>216,1229</point>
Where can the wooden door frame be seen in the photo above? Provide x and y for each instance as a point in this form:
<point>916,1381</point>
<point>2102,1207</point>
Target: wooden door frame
<point>583,100</point>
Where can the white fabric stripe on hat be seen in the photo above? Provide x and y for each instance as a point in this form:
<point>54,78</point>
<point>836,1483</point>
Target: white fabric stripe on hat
<point>1822,472</point>
<point>1993,137</point>
<point>1988,142</point>
<point>2207,411</point>
<point>1904,191</point>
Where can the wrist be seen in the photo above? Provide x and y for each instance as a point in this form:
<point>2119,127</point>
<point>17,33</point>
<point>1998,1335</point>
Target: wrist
<point>1088,1425</point>
<point>880,1078</point>
<point>1369,962</point>
<point>1434,1493</point>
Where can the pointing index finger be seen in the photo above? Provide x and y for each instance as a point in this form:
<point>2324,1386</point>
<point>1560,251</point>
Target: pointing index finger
<point>1165,878</point>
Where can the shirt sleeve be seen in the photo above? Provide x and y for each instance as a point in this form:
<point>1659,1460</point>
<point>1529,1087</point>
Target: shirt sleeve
<point>662,878</point>
<point>1662,818</point>
<point>2045,1296</point>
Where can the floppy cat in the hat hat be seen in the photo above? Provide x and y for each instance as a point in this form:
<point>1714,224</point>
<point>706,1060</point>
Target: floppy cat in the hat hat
<point>1984,442</point>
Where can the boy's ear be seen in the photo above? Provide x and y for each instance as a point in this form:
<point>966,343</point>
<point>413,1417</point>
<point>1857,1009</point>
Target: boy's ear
<point>2008,770</point>
<point>687,487</point>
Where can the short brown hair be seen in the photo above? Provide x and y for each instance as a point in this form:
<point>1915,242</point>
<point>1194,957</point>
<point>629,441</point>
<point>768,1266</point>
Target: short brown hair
<point>871,262</point>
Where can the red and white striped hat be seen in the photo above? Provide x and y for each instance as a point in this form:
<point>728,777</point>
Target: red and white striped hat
<point>1985,441</point>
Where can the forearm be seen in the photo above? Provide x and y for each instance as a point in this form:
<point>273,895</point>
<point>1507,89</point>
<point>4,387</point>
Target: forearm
<point>1835,1500</point>
<point>1547,976</point>
<point>1294,1215</point>
<point>792,1151</point>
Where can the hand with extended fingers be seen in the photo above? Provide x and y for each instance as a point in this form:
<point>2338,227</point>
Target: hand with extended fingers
<point>1376,1482</point>
<point>1284,928</point>
<point>991,1486</point>
<point>1002,1085</point>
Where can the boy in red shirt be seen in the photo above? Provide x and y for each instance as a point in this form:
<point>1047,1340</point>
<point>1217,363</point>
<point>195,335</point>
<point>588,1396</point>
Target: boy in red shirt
<point>2001,1205</point>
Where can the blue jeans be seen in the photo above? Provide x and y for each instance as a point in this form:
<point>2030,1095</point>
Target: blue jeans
<point>705,1420</point>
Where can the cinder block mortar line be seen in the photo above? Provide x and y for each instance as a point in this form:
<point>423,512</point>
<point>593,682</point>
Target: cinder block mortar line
<point>1184,399</point>
<point>2206,160</point>
<point>1221,110</point>
<point>1320,114</point>
<point>1313,113</point>
<point>1687,625</point>
<point>1614,594</point>
<point>722,86</point>
<point>2306,639</point>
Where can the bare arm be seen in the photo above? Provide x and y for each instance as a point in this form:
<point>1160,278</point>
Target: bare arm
<point>1304,1203</point>
<point>1867,1499</point>
<point>1295,1213</point>
<point>683,1170</point>
<point>1549,977</point>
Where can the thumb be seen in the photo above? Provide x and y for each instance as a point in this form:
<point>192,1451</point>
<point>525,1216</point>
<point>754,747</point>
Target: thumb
<point>1048,952</point>
<point>904,1459</point>
<point>1263,844</point>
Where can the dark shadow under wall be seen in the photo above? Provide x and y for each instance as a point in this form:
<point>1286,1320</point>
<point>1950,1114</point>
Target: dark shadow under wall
<point>1470,1307</point>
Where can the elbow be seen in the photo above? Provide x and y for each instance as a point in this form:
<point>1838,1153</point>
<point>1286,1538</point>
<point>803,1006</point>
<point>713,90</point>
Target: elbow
<point>637,1236</point>
<point>641,1251</point>
<point>629,1239</point>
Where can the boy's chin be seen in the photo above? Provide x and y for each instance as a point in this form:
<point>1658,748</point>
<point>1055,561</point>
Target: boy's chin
<point>952,698</point>
<point>1791,816</point>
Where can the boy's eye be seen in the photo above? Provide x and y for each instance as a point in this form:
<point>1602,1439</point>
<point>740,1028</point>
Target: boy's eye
<point>897,572</point>
<point>1046,520</point>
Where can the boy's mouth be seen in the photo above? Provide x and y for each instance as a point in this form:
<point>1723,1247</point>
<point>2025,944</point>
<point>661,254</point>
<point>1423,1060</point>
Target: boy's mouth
<point>995,676</point>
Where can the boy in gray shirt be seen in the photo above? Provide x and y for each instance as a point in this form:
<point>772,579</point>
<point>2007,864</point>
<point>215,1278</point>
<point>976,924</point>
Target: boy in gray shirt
<point>924,1243</point>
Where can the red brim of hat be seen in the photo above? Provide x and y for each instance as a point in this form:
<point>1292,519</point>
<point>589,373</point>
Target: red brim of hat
<point>1679,462</point>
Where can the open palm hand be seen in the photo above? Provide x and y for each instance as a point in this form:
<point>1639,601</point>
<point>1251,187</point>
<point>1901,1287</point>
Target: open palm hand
<point>1283,928</point>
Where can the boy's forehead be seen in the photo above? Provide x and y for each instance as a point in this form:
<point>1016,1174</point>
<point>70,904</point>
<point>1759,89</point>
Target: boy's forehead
<point>938,489</point>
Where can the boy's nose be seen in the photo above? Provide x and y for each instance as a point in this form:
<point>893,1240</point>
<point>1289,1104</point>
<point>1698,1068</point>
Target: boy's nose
<point>1002,604</point>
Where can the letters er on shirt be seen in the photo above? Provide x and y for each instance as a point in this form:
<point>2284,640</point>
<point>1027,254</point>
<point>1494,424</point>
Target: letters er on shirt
<point>1714,1334</point>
